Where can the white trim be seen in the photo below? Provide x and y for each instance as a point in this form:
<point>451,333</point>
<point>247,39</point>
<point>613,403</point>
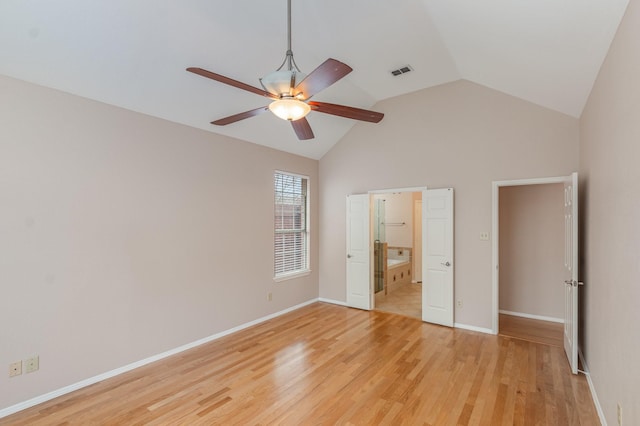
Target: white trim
<point>83,383</point>
<point>291,174</point>
<point>495,228</point>
<point>292,275</point>
<point>533,181</point>
<point>596,402</point>
<point>495,190</point>
<point>392,190</point>
<point>531,316</point>
<point>455,325</point>
<point>333,301</point>
<point>473,328</point>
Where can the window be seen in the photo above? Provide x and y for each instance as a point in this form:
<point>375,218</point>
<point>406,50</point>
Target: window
<point>291,236</point>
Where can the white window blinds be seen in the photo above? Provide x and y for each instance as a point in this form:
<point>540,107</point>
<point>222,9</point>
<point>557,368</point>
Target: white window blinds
<point>291,246</point>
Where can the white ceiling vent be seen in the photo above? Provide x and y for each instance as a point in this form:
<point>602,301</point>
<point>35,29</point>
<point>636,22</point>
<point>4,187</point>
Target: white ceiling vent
<point>402,70</point>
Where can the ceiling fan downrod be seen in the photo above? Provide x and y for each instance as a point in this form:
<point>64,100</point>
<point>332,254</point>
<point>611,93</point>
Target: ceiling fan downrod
<point>282,81</point>
<point>291,63</point>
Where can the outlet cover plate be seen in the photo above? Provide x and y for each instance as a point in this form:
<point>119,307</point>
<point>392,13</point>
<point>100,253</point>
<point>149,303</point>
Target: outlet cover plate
<point>32,364</point>
<point>15,369</point>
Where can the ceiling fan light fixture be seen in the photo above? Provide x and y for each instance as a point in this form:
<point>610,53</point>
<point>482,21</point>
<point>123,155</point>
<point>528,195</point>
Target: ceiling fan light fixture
<point>292,90</point>
<point>289,109</point>
<point>280,82</point>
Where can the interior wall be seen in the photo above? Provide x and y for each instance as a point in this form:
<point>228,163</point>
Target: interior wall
<point>123,236</point>
<point>398,209</point>
<point>532,249</point>
<point>610,182</point>
<point>459,135</point>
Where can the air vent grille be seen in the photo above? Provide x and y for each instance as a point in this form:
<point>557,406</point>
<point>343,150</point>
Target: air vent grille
<point>402,70</point>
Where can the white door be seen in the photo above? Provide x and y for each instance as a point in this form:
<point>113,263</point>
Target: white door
<point>437,256</point>
<point>417,240</point>
<point>571,270</point>
<point>358,253</point>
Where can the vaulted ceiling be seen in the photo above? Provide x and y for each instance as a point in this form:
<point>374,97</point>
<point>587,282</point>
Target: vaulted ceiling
<point>133,53</point>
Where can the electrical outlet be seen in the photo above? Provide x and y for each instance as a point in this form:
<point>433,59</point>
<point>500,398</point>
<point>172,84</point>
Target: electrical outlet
<point>619,414</point>
<point>32,364</point>
<point>15,369</point>
<point>459,303</point>
<point>484,236</point>
<point>270,297</point>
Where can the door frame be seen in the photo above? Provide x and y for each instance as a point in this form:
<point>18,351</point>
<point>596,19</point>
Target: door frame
<point>414,267</point>
<point>495,228</point>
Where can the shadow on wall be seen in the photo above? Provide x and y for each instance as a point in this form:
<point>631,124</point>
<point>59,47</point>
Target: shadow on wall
<point>583,294</point>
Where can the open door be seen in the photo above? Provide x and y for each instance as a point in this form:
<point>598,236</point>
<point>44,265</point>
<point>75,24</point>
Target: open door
<point>437,256</point>
<point>358,252</point>
<point>571,282</point>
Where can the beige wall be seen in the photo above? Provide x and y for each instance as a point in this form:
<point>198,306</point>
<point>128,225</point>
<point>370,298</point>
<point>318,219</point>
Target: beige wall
<point>532,249</point>
<point>123,236</point>
<point>609,154</point>
<point>458,135</point>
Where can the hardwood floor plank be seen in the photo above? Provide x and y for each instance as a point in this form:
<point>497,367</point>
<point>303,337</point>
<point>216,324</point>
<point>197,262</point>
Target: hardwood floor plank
<point>546,332</point>
<point>325,364</point>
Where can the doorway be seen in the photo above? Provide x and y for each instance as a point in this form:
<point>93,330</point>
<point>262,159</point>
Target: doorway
<point>397,253</point>
<point>526,211</point>
<point>569,232</point>
<point>437,252</point>
<point>531,244</point>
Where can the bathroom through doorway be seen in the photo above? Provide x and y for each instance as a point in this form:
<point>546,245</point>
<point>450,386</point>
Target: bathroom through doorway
<point>397,240</point>
<point>437,258</point>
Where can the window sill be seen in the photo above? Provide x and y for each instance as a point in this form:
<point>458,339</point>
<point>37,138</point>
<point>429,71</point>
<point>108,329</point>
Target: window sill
<point>292,275</point>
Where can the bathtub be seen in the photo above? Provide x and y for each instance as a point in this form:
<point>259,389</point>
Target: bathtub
<point>398,267</point>
<point>395,262</point>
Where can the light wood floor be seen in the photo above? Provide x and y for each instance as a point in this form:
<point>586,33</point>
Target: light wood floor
<point>546,332</point>
<point>404,300</point>
<point>325,364</point>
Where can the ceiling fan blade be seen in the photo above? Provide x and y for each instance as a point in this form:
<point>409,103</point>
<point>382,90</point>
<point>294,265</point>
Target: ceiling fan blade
<point>347,111</point>
<point>231,82</point>
<point>302,129</point>
<point>240,116</point>
<point>322,77</point>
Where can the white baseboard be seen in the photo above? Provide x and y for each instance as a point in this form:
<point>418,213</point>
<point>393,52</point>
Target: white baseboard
<point>473,328</point>
<point>596,402</point>
<point>456,325</point>
<point>332,301</point>
<point>79,385</point>
<point>531,316</point>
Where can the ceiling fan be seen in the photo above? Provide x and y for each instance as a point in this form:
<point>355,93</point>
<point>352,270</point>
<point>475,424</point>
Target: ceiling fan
<point>291,91</point>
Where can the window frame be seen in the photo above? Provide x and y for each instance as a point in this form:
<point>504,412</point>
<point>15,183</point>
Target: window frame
<point>306,232</point>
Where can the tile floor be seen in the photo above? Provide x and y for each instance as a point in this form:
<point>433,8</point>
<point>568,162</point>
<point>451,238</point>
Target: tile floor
<point>406,300</point>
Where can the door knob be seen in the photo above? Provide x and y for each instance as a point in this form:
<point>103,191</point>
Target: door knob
<point>447,263</point>
<point>348,256</point>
